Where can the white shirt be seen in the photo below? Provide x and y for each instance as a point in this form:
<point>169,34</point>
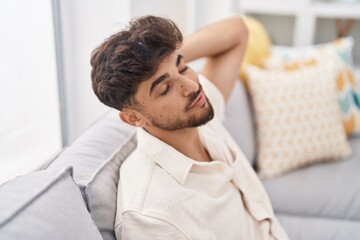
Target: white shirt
<point>166,195</point>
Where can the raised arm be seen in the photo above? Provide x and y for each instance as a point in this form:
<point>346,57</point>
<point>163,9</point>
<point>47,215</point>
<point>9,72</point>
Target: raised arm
<point>224,44</point>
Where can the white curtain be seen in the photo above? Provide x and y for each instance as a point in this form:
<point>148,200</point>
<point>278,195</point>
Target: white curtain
<point>30,131</point>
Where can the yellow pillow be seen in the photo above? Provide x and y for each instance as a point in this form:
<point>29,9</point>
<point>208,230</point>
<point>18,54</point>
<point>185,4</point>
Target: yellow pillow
<point>258,45</point>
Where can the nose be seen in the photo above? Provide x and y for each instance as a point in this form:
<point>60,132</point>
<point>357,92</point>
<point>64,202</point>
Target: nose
<point>188,86</point>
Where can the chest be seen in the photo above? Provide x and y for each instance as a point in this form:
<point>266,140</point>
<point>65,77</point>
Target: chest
<point>217,206</point>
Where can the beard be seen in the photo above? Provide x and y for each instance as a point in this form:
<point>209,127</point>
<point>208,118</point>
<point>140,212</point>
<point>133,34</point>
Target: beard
<point>191,122</point>
<point>202,116</point>
<point>195,120</point>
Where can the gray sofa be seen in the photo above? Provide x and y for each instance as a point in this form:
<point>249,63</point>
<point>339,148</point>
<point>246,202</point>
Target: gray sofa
<point>75,195</point>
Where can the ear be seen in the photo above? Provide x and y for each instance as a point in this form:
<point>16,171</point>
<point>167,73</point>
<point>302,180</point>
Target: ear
<point>132,117</point>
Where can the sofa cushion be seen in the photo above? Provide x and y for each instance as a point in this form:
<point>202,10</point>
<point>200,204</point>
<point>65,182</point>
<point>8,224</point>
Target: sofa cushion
<point>96,156</point>
<point>297,117</point>
<point>44,205</point>
<point>323,190</point>
<point>239,121</point>
<point>290,58</point>
<point>312,228</point>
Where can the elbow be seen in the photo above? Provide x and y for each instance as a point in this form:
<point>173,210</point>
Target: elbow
<point>240,29</point>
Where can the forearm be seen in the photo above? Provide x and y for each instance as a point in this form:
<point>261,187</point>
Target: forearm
<point>214,39</point>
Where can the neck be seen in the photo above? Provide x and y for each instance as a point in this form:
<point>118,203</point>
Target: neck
<point>187,141</point>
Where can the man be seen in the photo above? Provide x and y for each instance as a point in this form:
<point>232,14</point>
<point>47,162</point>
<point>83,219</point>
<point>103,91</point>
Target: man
<point>186,179</point>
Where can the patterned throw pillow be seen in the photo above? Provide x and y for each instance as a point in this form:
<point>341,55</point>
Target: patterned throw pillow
<point>293,58</point>
<point>297,118</point>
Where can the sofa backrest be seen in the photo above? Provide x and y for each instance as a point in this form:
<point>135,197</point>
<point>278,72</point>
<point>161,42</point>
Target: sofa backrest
<point>240,121</point>
<point>96,156</point>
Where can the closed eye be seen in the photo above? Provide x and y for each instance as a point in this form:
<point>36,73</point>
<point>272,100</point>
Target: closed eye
<point>184,70</point>
<point>166,91</point>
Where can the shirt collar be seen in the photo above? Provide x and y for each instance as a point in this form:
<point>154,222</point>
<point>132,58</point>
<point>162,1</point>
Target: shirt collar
<point>172,161</point>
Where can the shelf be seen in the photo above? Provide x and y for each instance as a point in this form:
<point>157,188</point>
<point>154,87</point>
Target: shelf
<point>305,12</point>
<point>336,10</point>
<point>278,7</point>
<point>316,9</point>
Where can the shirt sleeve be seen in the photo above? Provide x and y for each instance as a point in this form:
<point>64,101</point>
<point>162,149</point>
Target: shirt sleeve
<point>215,97</point>
<point>139,226</point>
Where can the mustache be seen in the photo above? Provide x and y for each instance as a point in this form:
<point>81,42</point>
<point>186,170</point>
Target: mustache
<point>193,96</point>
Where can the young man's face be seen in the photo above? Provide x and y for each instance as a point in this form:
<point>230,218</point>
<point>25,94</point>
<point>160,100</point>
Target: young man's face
<point>173,98</point>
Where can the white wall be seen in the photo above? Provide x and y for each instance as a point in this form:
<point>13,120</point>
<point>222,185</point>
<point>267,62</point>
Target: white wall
<point>173,9</point>
<point>208,11</point>
<point>85,24</point>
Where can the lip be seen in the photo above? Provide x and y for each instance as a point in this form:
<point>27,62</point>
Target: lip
<point>199,101</point>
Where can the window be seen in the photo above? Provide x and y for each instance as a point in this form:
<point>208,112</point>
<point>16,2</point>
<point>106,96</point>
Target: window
<point>30,128</point>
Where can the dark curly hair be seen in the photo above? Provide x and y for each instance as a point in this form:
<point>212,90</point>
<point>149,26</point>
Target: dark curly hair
<point>131,56</point>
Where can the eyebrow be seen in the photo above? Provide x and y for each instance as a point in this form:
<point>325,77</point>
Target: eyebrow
<point>178,60</point>
<point>159,80</point>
